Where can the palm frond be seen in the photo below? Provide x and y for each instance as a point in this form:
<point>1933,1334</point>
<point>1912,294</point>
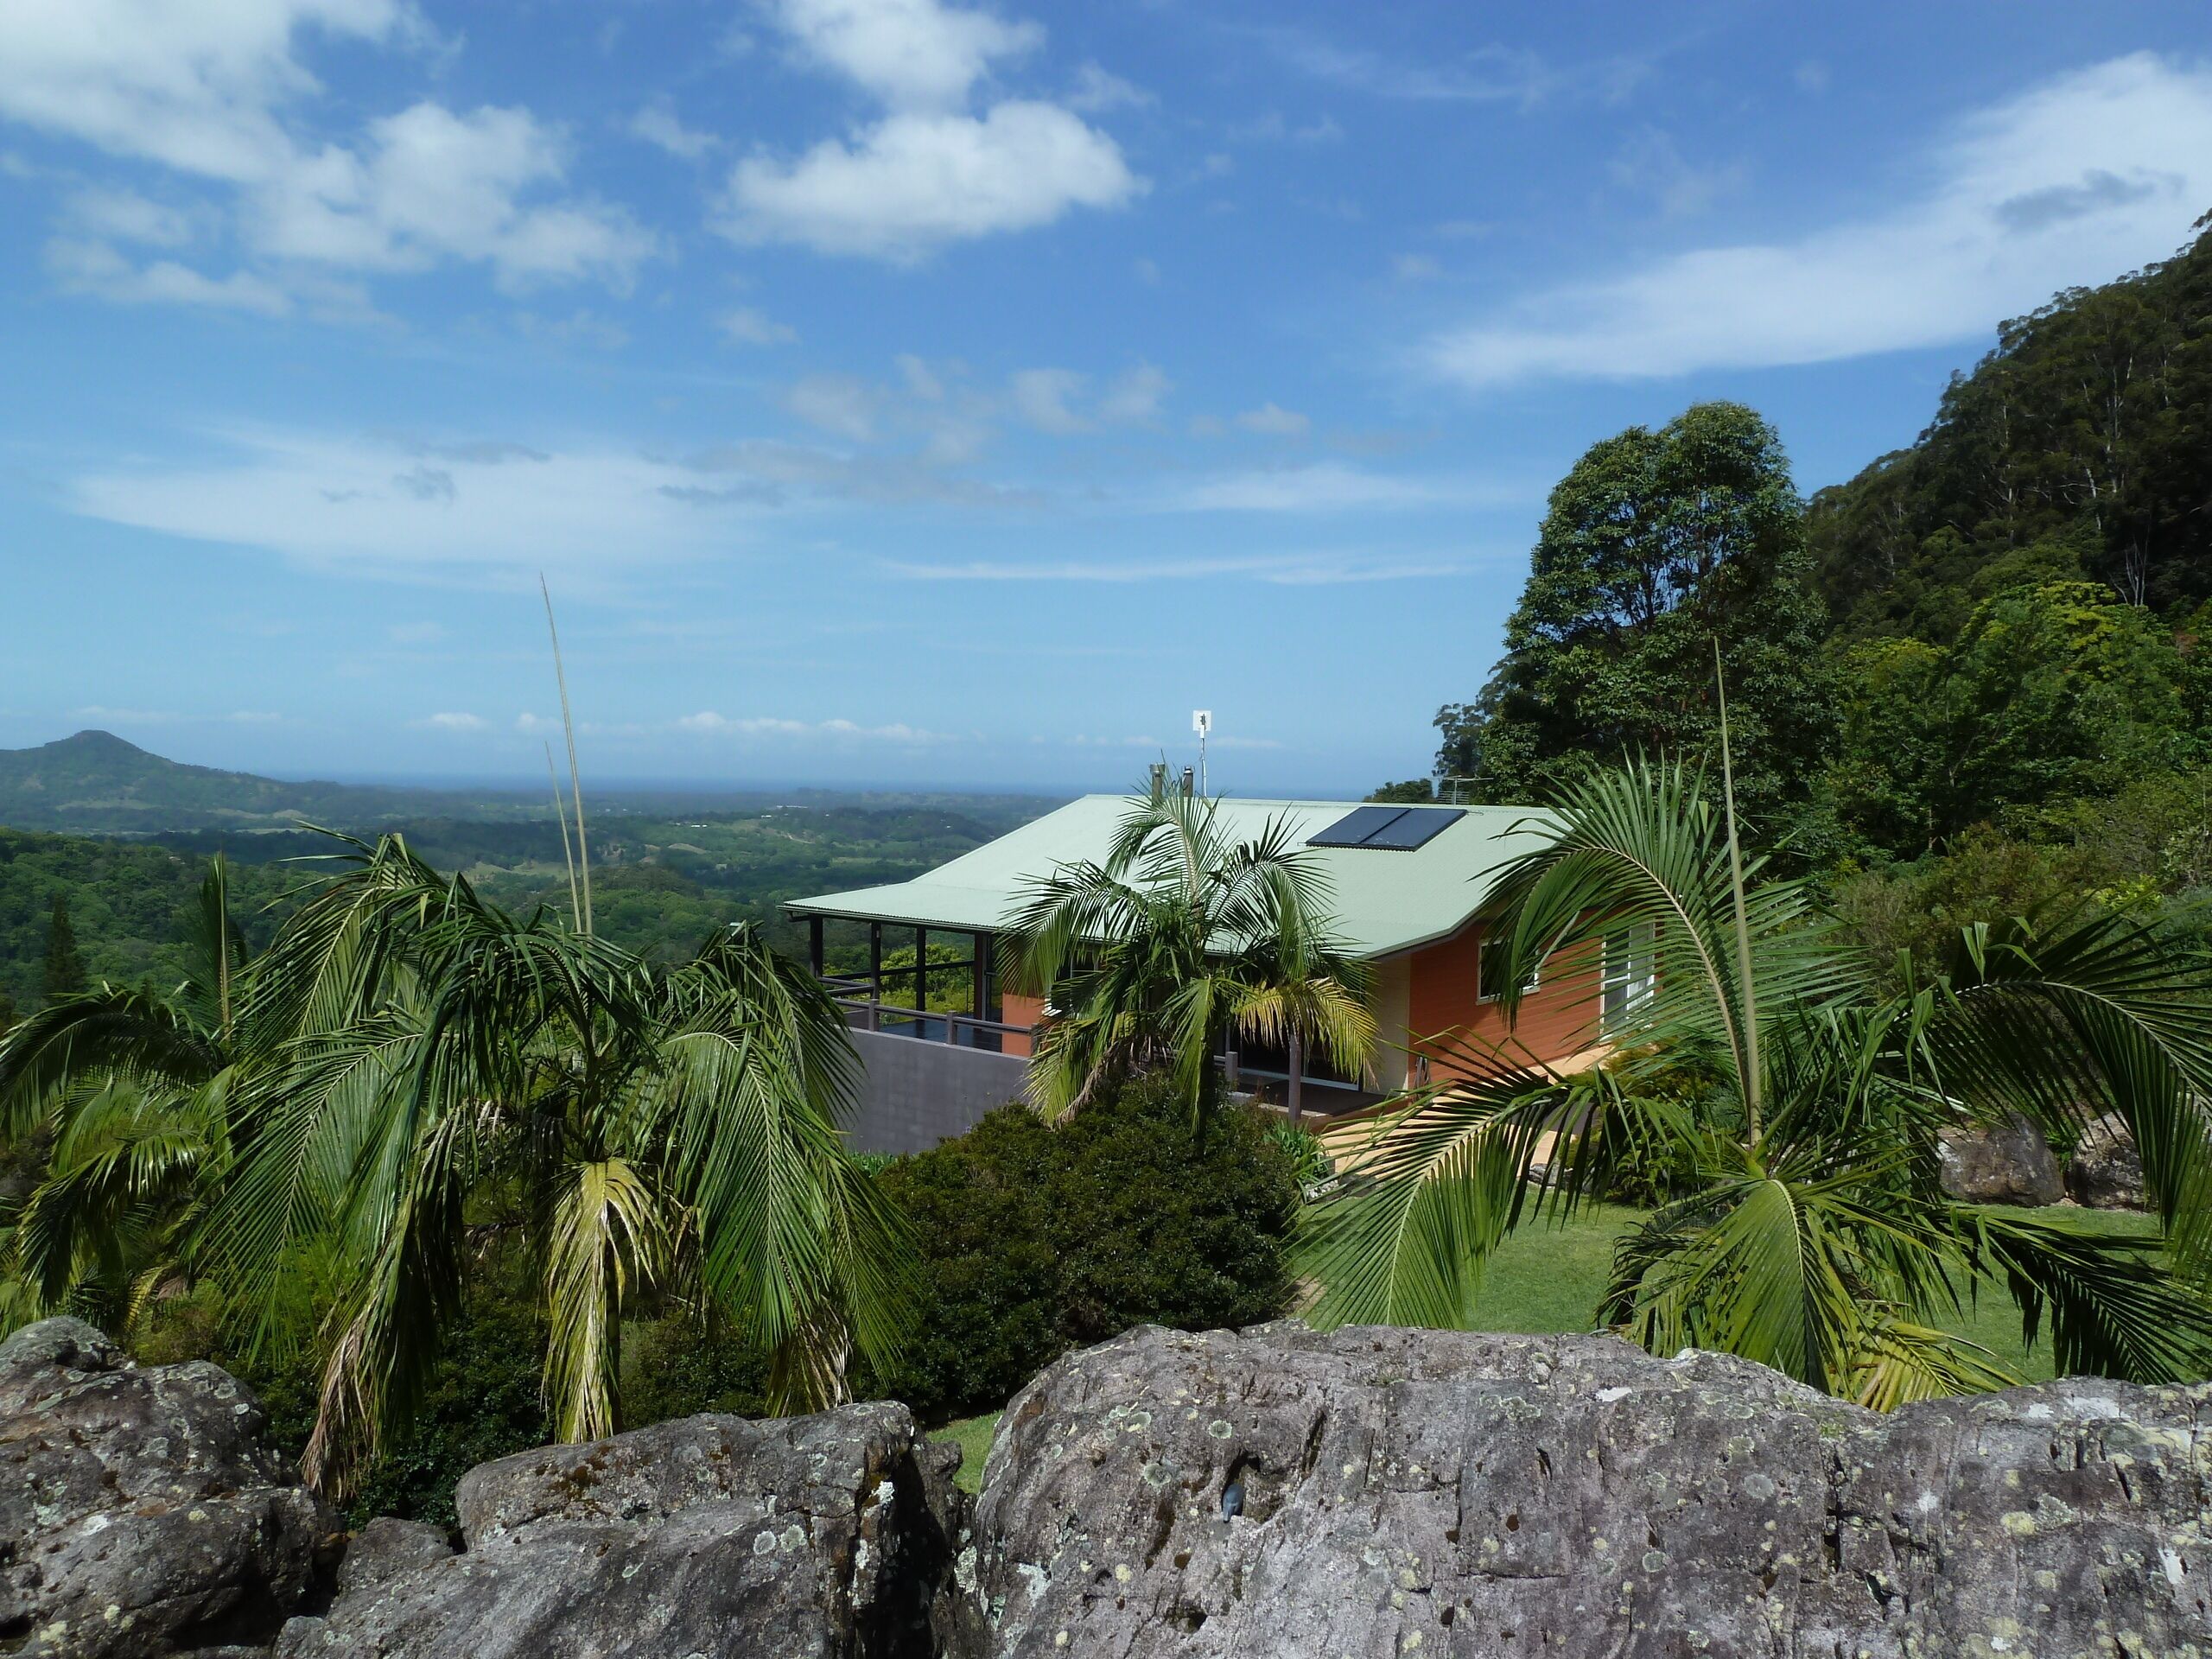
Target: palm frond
<point>608,1239</point>
<point>2113,1308</point>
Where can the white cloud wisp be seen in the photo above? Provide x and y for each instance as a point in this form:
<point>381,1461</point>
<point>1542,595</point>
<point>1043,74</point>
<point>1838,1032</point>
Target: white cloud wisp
<point>2081,179</point>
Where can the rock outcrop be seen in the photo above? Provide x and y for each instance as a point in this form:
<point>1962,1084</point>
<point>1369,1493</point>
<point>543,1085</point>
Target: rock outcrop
<point>1375,1492</point>
<point>827,1535</point>
<point>141,1511</point>
<point>2010,1162</point>
<point>1278,1491</point>
<point>2106,1171</point>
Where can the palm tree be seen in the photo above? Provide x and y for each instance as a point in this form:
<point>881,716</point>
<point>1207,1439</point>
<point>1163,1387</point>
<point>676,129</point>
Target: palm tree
<point>120,1096</point>
<point>1800,1113</point>
<point>414,1070</point>
<point>1180,937</point>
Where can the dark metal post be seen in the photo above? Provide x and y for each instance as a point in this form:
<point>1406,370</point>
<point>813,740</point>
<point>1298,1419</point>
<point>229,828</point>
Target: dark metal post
<point>922,979</point>
<point>813,944</point>
<point>874,974</point>
<point>981,952</point>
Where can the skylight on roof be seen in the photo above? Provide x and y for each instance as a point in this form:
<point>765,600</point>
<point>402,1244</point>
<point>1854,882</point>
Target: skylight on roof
<point>1387,829</point>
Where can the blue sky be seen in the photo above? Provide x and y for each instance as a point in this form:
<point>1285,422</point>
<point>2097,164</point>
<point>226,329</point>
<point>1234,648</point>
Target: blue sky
<point>906,392</point>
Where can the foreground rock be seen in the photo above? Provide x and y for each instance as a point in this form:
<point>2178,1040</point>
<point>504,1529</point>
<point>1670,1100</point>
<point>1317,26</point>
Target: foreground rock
<point>141,1511</point>
<point>1383,1492</point>
<point>2010,1162</point>
<point>709,1536</point>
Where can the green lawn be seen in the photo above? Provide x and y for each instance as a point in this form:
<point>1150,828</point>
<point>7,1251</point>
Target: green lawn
<point>973,1435</point>
<point>1547,1278</point>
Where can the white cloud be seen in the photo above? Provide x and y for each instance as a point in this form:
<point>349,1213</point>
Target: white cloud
<point>911,53</point>
<point>211,92</point>
<point>922,381</point>
<point>195,87</point>
<point>1134,395</point>
<point>1325,487</point>
<point>1297,570</point>
<point>1488,75</point>
<point>765,473</point>
<point>175,716</point>
<point>119,215</point>
<point>708,723</point>
<point>1415,267</point>
<point>1272,129</point>
<point>2081,179</point>
<point>386,507</point>
<point>1275,421</point>
<point>916,180</point>
<point>656,124</point>
<point>1041,398</point>
<point>79,266</point>
<point>749,326</point>
<point>1098,90</point>
<point>430,185</point>
<point>837,403</point>
<point>455,723</point>
<point>1651,165</point>
<point>929,172</point>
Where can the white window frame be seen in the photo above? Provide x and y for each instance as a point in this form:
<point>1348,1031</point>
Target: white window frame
<point>1483,992</point>
<point>1628,974</point>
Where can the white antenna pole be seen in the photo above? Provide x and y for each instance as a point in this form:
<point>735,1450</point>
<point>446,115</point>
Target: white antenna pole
<point>1202,723</point>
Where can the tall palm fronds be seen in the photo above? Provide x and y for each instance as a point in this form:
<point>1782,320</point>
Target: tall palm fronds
<point>1180,936</point>
<point>409,1065</point>
<point>118,1097</point>
<point>1808,1229</point>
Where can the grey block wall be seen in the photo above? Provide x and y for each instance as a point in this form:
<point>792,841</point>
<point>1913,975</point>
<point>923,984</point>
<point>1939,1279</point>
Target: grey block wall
<point>916,1093</point>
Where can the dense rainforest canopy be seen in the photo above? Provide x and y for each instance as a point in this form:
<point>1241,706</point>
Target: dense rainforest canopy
<point>1966,681</point>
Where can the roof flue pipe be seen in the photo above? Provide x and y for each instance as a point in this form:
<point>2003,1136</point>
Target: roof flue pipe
<point>1159,782</point>
<point>1190,782</point>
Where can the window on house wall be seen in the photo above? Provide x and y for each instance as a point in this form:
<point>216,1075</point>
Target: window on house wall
<point>1631,974</point>
<point>1489,972</point>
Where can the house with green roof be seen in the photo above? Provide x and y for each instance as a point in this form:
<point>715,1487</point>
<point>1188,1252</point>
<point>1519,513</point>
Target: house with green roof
<point>1407,885</point>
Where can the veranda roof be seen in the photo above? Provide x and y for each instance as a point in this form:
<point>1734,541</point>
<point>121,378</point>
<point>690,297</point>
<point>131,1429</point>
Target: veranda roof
<point>1385,902</point>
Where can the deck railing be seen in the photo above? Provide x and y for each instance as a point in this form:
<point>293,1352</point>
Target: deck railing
<point>866,1010</point>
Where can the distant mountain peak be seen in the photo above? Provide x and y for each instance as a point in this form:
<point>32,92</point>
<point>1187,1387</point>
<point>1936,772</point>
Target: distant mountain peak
<point>92,738</point>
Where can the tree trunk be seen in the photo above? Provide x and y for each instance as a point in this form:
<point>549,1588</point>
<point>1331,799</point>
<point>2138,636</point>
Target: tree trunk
<point>1296,1098</point>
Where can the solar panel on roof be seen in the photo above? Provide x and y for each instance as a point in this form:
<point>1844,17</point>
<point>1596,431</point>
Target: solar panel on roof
<point>1356,826</point>
<point>1413,829</point>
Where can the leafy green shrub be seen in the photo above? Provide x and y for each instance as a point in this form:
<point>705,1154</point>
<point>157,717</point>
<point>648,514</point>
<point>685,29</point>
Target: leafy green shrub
<point>1308,1161</point>
<point>481,1401</point>
<point>677,1366</point>
<point>1034,1239</point>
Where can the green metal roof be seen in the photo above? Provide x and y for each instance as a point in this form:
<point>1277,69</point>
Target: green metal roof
<point>1384,902</point>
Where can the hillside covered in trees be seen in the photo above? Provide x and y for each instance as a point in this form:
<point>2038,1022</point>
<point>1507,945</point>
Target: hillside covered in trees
<point>2080,448</point>
<point>1969,681</point>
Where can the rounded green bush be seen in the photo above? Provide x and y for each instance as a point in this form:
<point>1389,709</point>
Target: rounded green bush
<point>1035,1239</point>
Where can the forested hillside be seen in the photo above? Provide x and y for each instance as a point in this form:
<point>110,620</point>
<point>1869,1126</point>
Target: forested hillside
<point>98,783</point>
<point>1970,682</point>
<point>2081,447</point>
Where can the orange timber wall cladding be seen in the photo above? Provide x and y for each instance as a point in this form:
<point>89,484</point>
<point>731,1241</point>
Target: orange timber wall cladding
<point>1019,1011</point>
<point>1557,1019</point>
